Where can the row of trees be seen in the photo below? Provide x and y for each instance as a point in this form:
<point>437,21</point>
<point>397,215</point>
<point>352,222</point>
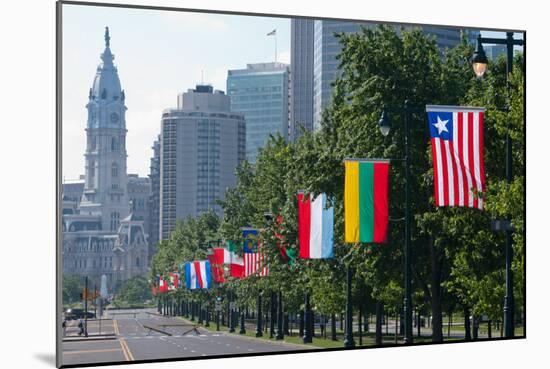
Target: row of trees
<point>457,261</point>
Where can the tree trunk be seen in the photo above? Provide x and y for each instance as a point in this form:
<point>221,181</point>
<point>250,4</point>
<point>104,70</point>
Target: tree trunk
<point>359,326</point>
<point>333,327</point>
<point>437,326</point>
<point>379,313</point>
<point>476,328</point>
<point>285,325</point>
<point>489,333</point>
<point>449,322</point>
<point>397,320</point>
<point>467,334</point>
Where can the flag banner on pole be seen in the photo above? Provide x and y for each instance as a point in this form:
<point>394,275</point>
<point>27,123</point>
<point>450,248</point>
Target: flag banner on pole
<point>217,261</point>
<point>236,262</point>
<point>315,227</point>
<point>255,264</point>
<point>198,275</point>
<point>457,153</point>
<point>163,285</point>
<point>366,200</point>
<point>254,259</point>
<point>173,284</point>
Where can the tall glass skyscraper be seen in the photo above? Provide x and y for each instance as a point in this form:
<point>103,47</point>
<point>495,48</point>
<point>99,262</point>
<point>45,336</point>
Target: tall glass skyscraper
<point>326,47</point>
<point>261,93</point>
<point>301,76</point>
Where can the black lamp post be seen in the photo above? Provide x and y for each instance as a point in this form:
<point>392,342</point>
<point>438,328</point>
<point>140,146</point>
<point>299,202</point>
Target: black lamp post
<point>280,333</point>
<point>348,339</point>
<point>307,321</point>
<point>384,124</point>
<point>243,329</point>
<point>259,332</point>
<point>479,64</point>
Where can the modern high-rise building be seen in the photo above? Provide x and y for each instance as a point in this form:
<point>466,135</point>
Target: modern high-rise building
<point>100,234</point>
<point>202,142</point>
<point>261,93</point>
<point>326,47</point>
<point>154,199</point>
<point>301,72</point>
<point>494,51</point>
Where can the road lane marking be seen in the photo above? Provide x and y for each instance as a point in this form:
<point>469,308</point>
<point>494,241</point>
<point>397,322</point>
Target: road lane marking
<point>89,351</point>
<point>115,324</point>
<point>123,350</point>
<point>126,349</point>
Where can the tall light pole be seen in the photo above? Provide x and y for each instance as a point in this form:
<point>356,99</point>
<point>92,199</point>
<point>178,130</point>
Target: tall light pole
<point>479,64</point>
<point>348,340</point>
<point>384,125</point>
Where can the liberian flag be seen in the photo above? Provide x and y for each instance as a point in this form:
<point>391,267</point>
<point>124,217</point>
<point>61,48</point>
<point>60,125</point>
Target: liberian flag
<point>315,227</point>
<point>457,152</point>
<point>254,259</point>
<point>198,274</point>
<point>366,200</point>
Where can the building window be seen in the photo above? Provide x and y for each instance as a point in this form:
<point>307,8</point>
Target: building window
<point>114,170</point>
<point>137,262</point>
<point>115,216</point>
<point>115,144</point>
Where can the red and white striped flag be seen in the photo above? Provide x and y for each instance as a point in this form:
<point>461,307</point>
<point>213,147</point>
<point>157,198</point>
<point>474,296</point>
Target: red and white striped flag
<point>457,151</point>
<point>255,263</point>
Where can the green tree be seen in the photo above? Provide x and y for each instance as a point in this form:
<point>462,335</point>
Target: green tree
<point>133,291</point>
<point>72,287</point>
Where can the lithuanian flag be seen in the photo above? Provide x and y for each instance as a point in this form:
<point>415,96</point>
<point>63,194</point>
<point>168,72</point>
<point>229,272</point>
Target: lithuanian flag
<point>366,200</point>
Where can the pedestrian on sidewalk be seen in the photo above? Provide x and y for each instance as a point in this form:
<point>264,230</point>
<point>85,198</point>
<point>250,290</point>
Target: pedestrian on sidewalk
<point>81,327</point>
<point>64,326</point>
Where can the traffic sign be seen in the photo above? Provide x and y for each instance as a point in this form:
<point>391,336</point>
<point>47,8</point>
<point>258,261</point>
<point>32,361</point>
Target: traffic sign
<point>232,305</point>
<point>218,306</point>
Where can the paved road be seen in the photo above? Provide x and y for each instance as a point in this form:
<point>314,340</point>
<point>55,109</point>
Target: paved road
<point>131,340</point>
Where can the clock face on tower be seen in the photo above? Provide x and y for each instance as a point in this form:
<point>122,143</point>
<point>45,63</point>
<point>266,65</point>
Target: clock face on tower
<point>114,117</point>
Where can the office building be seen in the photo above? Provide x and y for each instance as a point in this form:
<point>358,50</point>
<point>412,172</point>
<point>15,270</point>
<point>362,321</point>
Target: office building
<point>261,93</point>
<point>202,142</point>
<point>301,81</point>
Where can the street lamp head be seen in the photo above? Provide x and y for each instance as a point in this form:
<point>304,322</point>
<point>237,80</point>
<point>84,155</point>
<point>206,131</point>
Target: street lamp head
<point>479,59</point>
<point>384,123</point>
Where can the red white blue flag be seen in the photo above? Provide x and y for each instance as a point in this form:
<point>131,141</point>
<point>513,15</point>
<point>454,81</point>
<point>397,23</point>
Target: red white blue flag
<point>315,227</point>
<point>457,151</point>
<point>198,274</point>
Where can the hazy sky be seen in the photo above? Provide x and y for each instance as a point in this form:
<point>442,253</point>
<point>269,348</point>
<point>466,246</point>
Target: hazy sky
<point>158,55</point>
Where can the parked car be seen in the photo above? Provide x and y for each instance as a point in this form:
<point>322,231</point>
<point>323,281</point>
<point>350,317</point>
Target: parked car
<point>72,314</point>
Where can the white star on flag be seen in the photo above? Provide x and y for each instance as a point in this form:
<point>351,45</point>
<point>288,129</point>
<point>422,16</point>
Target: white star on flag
<point>441,125</point>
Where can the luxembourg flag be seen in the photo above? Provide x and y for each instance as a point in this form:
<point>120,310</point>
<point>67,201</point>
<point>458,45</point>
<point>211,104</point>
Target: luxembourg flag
<point>198,274</point>
<point>315,227</point>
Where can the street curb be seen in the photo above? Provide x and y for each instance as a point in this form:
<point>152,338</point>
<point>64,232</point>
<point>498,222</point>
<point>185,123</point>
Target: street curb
<point>280,343</point>
<point>99,338</point>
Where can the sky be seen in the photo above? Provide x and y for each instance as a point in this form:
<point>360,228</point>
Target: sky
<point>159,54</point>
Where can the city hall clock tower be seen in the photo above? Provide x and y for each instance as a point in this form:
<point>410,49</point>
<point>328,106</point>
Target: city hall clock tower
<point>105,189</point>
